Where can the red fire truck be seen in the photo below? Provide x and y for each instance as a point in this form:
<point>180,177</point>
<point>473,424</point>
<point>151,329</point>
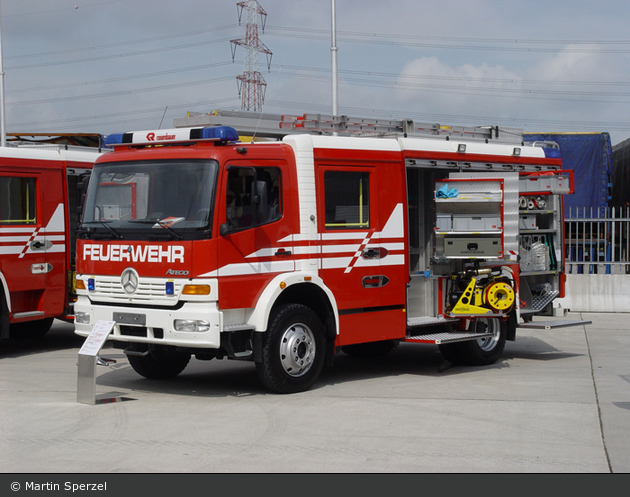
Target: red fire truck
<point>334,235</point>
<point>39,206</point>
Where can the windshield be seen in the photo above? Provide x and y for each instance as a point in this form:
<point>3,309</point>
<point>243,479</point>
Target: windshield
<point>138,200</point>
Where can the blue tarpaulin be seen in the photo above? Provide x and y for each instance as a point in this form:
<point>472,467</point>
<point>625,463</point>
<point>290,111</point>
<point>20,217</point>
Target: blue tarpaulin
<point>589,155</point>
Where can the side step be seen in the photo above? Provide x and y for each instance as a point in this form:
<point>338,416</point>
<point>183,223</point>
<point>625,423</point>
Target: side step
<point>447,337</point>
<point>539,302</point>
<point>549,325</point>
<point>238,327</point>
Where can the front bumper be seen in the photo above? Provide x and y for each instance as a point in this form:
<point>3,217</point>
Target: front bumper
<point>157,324</point>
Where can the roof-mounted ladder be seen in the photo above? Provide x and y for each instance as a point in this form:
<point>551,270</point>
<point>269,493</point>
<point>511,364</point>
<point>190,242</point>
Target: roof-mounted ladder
<point>279,125</point>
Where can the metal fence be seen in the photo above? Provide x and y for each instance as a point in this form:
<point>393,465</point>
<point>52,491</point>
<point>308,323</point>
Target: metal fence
<point>597,240</point>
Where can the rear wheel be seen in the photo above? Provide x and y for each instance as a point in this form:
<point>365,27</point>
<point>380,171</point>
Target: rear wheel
<point>160,363</point>
<point>481,352</point>
<point>293,350</point>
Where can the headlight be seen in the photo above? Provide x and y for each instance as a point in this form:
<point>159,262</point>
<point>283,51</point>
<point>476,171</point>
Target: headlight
<point>191,325</point>
<point>82,317</point>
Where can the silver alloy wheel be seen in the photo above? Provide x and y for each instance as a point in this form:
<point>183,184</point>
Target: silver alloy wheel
<point>297,349</point>
<point>487,344</point>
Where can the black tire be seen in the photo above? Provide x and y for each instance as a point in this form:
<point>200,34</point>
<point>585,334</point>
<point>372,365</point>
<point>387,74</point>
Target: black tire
<point>31,330</point>
<point>293,350</point>
<point>484,351</point>
<point>450,353</point>
<point>160,363</point>
<point>370,349</point>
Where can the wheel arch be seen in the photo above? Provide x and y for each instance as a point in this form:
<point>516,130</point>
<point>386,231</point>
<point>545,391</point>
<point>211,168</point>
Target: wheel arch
<point>5,307</point>
<point>297,288</point>
<point>4,289</point>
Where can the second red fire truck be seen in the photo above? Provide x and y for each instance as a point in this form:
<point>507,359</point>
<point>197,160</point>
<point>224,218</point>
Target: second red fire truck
<point>40,196</point>
<point>288,251</point>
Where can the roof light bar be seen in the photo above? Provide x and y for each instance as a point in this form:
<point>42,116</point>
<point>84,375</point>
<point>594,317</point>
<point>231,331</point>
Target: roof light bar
<point>169,136</point>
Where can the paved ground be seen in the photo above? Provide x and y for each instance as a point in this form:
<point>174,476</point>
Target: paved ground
<point>557,402</point>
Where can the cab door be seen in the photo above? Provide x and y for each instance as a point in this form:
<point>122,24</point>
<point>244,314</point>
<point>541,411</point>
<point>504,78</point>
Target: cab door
<point>22,244</point>
<point>362,258</point>
<point>255,242</point>
<point>53,241</point>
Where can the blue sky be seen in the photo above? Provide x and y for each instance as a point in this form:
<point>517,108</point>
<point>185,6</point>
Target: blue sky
<point>117,65</point>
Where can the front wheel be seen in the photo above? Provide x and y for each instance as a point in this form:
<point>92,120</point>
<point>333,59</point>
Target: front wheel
<point>293,350</point>
<point>31,330</point>
<point>160,363</point>
<point>481,352</point>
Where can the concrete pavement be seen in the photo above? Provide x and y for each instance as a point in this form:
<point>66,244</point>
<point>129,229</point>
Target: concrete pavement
<point>557,402</point>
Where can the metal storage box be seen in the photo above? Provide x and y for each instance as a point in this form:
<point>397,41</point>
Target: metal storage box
<point>472,247</point>
<point>444,222</point>
<point>476,223</point>
<point>545,183</point>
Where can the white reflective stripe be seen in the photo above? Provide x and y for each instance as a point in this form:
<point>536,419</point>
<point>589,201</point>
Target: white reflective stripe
<point>333,249</point>
<point>16,230</point>
<point>10,249</point>
<point>56,222</point>
<point>57,248</point>
<point>311,249</point>
<point>336,262</point>
<point>347,242</point>
<point>266,252</point>
<point>344,236</point>
<point>14,239</point>
<point>393,246</point>
<point>395,226</point>
<point>255,268</point>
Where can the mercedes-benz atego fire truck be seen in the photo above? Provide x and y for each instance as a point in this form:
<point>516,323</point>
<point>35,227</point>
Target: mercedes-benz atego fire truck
<point>285,252</point>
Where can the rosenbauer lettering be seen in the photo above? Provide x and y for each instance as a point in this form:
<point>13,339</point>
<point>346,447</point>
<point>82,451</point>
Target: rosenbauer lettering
<point>153,137</point>
<point>129,253</point>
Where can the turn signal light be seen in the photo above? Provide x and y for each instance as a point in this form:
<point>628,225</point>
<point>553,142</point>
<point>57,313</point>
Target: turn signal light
<point>196,290</point>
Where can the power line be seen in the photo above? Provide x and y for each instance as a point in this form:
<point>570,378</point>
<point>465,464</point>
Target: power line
<point>326,32</point>
<point>503,45</point>
<point>121,78</point>
<point>117,56</point>
<point>119,92</point>
<point>122,43</point>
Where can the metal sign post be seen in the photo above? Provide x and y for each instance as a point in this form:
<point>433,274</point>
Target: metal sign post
<point>88,359</point>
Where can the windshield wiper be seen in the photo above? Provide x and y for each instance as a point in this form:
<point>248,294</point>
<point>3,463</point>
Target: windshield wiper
<point>114,233</point>
<point>161,223</point>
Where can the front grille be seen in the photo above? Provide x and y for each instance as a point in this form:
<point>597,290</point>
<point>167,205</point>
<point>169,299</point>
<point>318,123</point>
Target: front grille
<point>150,290</point>
<point>133,331</point>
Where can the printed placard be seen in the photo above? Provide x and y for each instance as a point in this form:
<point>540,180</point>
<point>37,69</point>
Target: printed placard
<point>96,338</point>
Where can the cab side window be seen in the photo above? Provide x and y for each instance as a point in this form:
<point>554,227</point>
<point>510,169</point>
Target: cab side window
<point>253,196</point>
<point>17,200</point>
<point>347,200</point>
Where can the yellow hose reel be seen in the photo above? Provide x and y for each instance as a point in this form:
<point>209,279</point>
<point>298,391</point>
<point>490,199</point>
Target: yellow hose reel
<point>499,296</point>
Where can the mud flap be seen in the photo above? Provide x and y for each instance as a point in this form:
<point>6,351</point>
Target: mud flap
<point>4,317</point>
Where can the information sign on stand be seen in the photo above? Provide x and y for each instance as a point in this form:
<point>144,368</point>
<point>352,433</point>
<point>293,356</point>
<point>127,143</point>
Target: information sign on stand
<point>88,357</point>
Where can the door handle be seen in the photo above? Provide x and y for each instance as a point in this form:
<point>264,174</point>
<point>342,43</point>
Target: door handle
<point>377,281</point>
<point>282,253</point>
<point>372,253</point>
<point>39,245</point>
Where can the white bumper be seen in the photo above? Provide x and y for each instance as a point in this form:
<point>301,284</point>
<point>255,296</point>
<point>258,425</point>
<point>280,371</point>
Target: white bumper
<point>158,326</point>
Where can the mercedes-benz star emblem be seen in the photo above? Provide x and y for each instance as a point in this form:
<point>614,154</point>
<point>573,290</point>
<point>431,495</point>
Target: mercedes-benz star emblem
<point>129,280</point>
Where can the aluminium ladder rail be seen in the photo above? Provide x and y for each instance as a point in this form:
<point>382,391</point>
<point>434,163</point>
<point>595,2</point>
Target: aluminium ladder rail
<point>279,125</point>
